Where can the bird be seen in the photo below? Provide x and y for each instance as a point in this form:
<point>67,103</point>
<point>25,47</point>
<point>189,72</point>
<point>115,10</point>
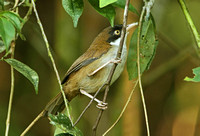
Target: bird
<point>90,71</point>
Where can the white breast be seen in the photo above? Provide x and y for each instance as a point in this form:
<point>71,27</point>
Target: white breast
<point>96,83</point>
<point>120,66</point>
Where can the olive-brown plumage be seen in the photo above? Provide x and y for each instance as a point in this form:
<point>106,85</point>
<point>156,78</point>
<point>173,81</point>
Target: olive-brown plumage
<point>102,50</point>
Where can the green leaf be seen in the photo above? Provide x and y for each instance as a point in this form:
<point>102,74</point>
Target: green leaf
<point>196,78</point>
<point>132,56</point>
<point>10,24</point>
<point>74,8</point>
<point>122,3</point>
<point>147,47</point>
<point>64,134</point>
<point>103,3</point>
<point>25,70</point>
<point>108,11</point>
<point>2,47</point>
<point>64,126</point>
<point>7,32</point>
<point>14,19</point>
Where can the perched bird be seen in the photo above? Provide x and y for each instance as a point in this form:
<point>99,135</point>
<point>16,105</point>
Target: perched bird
<point>90,71</point>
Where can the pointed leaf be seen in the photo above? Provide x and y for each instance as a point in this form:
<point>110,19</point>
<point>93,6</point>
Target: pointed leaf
<point>74,8</point>
<point>7,32</point>
<point>122,3</point>
<point>196,77</point>
<point>148,46</point>
<point>132,56</point>
<point>25,70</point>
<point>64,126</point>
<point>14,19</point>
<point>103,3</point>
<point>108,11</point>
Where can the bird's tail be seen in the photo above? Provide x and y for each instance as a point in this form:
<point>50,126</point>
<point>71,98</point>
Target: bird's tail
<point>55,105</point>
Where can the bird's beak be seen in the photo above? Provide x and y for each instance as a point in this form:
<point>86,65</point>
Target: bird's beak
<point>129,26</point>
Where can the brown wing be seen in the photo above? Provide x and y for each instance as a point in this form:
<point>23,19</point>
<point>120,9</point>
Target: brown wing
<point>92,54</point>
<point>76,66</point>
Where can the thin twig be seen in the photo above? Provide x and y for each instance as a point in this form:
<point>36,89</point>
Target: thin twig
<point>114,65</point>
<point>12,76</point>
<point>146,8</point>
<point>123,110</point>
<point>191,24</point>
<point>11,91</point>
<point>26,17</point>
<point>89,104</point>
<point>32,123</point>
<point>16,3</point>
<point>54,68</point>
<point>138,67</point>
<point>51,58</point>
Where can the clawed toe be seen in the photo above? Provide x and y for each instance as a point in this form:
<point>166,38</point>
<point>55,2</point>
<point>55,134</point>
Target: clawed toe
<point>102,105</point>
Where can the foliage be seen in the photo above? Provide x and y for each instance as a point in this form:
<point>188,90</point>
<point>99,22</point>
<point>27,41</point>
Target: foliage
<point>10,26</point>
<point>108,11</point>
<point>121,4</point>
<point>103,7</point>
<point>25,70</point>
<point>103,3</point>
<point>196,78</point>
<point>64,126</point>
<point>74,9</point>
<point>148,46</point>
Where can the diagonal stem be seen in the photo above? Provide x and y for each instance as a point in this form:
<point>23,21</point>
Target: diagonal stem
<point>138,67</point>
<point>191,24</point>
<point>123,110</point>
<point>54,68</point>
<point>88,104</point>
<point>11,91</point>
<point>114,65</point>
<point>51,58</point>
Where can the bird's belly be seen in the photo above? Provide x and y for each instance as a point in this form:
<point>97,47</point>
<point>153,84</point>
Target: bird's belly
<point>92,83</point>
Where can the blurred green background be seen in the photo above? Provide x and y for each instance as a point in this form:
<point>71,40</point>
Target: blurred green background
<point>172,103</point>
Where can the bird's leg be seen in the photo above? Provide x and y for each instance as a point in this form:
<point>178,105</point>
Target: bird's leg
<point>99,68</point>
<point>100,105</point>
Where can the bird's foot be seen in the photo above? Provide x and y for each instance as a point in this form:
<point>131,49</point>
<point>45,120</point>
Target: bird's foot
<point>102,105</point>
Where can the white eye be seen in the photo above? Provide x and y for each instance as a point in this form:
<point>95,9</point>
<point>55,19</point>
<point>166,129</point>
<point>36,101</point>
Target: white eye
<point>116,32</point>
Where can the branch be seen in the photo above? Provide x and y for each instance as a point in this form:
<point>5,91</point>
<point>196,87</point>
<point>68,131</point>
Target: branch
<point>123,110</point>
<point>32,123</point>
<point>191,24</point>
<point>89,104</point>
<point>138,67</point>
<point>114,65</point>
<point>54,68</point>
<point>12,72</point>
<point>146,8</point>
<point>16,3</point>
<point>11,91</point>
<point>51,58</point>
